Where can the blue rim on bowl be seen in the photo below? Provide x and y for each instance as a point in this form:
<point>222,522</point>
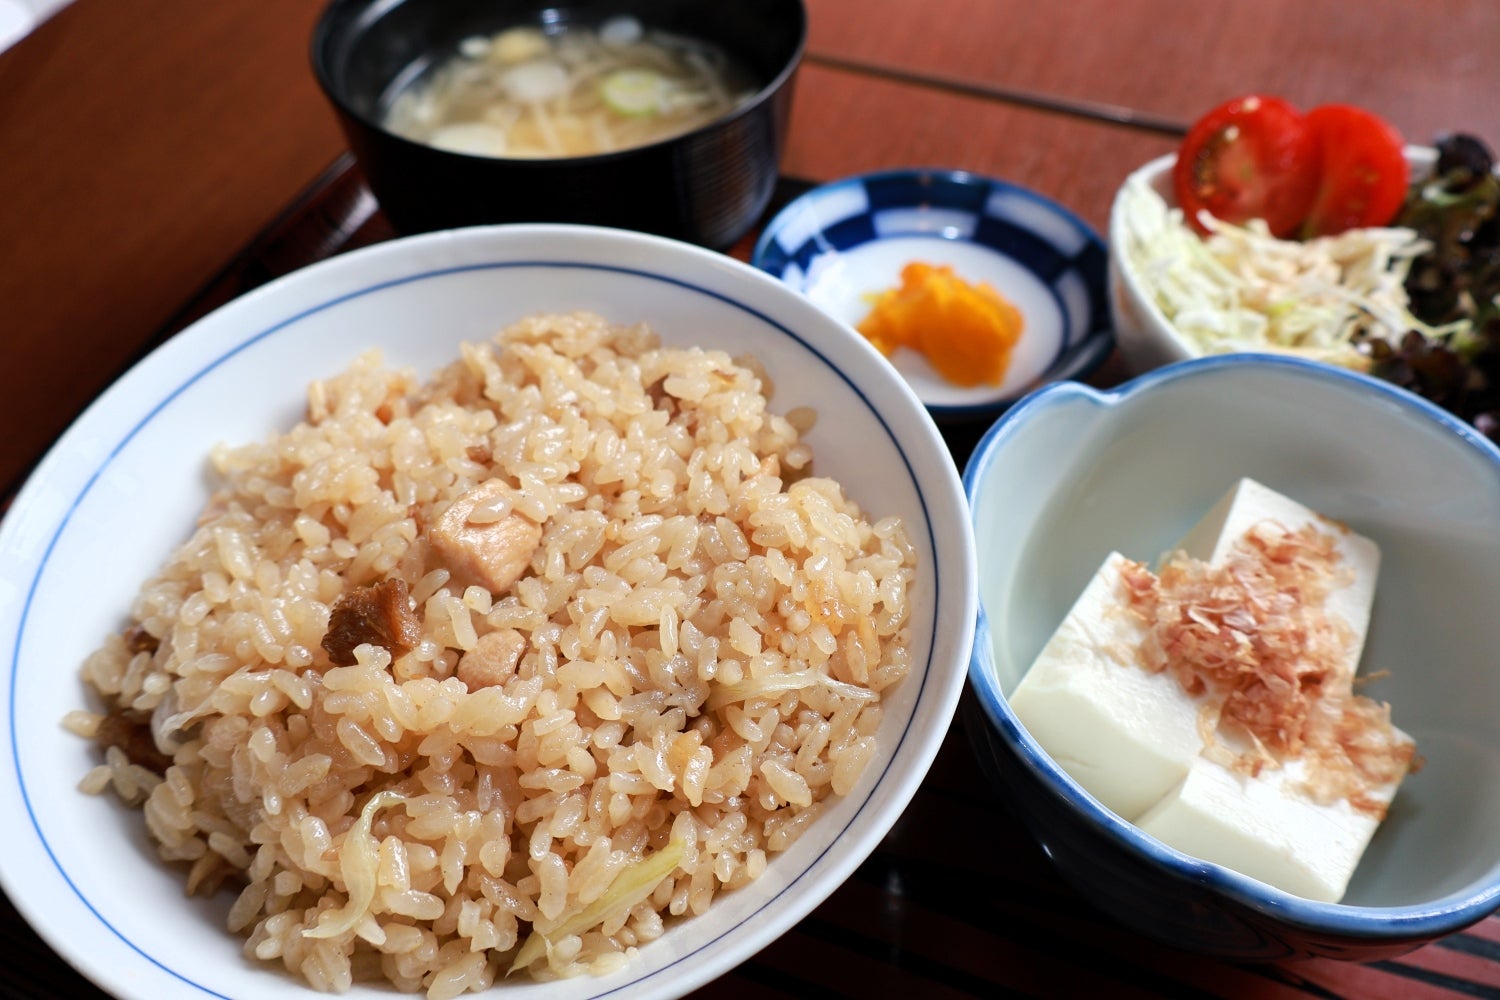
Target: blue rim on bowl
<point>841,242</point>
<point>1240,917</point>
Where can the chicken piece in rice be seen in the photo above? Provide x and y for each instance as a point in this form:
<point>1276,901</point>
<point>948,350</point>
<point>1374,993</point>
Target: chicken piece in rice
<point>479,540</point>
<point>650,679</point>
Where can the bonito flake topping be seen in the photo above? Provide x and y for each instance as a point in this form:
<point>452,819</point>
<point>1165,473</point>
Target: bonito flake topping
<point>1255,631</point>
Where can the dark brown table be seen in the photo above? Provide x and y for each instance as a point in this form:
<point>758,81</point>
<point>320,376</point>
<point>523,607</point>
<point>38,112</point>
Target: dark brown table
<point>159,157</point>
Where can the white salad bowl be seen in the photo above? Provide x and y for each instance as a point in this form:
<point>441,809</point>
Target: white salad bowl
<point>1145,336</point>
<point>126,482</point>
<point>1071,474</point>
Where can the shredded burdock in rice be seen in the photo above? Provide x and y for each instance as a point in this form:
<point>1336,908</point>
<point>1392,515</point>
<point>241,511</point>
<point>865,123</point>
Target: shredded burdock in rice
<point>501,672</point>
<point>1254,633</point>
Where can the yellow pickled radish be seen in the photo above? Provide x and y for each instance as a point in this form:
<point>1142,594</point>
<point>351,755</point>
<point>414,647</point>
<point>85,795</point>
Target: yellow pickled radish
<point>966,331</point>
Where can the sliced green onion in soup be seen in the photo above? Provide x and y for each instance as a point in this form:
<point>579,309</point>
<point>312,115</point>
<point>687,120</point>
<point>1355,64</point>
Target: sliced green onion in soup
<point>634,93</point>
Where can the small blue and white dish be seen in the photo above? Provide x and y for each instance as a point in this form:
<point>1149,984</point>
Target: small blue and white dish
<point>1070,474</point>
<point>845,242</point>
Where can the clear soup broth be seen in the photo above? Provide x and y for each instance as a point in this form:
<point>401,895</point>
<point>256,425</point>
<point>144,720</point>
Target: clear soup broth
<point>527,93</point>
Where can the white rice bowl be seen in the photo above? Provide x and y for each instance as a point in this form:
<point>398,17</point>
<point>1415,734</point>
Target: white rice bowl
<point>128,481</point>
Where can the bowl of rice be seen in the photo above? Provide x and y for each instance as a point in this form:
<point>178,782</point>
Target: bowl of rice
<point>543,607</point>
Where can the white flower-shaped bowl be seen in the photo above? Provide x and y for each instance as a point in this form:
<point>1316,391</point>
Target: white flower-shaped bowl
<point>1070,474</point>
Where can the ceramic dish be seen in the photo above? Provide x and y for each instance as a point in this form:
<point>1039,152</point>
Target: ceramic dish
<point>708,185</point>
<point>126,482</point>
<point>1071,474</point>
<point>841,243</point>
<point>1146,337</point>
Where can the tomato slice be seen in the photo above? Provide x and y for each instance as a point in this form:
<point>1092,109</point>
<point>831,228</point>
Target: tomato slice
<point>1364,174</point>
<point>1250,158</point>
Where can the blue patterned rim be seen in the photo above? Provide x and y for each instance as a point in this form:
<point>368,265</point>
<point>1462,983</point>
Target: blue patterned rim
<point>1362,923</point>
<point>1045,238</point>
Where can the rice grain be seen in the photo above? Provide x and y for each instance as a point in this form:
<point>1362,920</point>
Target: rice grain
<point>689,658</point>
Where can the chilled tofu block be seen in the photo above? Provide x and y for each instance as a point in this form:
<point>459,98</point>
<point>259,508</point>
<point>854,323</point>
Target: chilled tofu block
<point>1128,735</point>
<point>1267,826</point>
<point>1250,503</point>
<point>1125,734</point>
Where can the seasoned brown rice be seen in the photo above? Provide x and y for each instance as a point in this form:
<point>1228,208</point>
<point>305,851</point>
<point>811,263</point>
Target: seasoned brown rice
<point>687,668</point>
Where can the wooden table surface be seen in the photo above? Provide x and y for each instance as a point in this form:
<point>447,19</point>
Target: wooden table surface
<point>158,157</point>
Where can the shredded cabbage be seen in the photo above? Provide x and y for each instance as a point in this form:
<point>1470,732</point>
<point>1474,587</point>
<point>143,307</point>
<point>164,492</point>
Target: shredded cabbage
<point>1243,289</point>
<point>359,864</point>
<point>725,694</point>
<point>631,886</point>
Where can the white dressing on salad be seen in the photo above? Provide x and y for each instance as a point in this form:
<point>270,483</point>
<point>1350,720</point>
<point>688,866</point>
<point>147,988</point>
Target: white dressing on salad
<point>1242,289</point>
